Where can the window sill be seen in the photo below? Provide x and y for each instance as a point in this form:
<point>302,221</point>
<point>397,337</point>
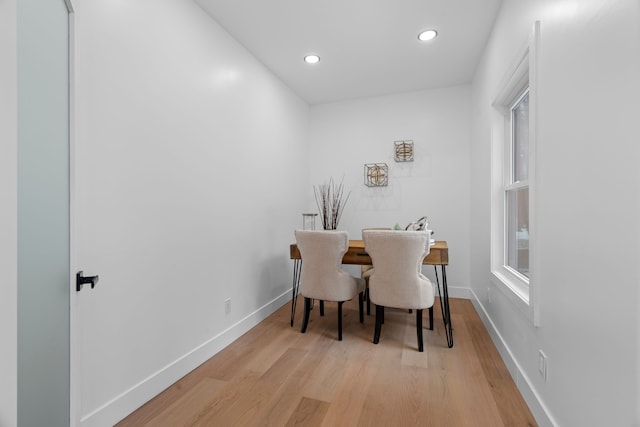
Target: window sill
<point>514,292</point>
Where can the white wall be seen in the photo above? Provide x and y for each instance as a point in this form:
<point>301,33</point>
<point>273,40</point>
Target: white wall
<point>194,158</point>
<point>346,135</point>
<point>8,212</point>
<point>587,209</point>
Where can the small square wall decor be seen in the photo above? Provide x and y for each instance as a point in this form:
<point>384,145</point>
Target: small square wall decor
<point>376,174</point>
<point>403,151</point>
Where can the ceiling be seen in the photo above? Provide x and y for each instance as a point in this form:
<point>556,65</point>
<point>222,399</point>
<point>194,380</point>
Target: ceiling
<point>367,47</point>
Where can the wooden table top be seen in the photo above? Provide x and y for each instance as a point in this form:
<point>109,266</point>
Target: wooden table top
<point>438,255</point>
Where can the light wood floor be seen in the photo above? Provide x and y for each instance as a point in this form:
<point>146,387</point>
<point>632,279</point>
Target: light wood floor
<point>276,376</point>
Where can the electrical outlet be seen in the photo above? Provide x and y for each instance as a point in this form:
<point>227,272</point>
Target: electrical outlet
<point>489,294</point>
<point>543,364</point>
<point>227,306</point>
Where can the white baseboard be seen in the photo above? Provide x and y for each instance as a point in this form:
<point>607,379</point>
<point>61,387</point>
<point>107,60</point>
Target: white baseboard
<point>537,407</point>
<point>458,292</point>
<point>130,400</point>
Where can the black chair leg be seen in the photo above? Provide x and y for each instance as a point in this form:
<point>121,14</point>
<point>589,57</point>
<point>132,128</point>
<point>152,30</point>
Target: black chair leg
<point>360,302</point>
<point>431,318</point>
<point>321,308</point>
<point>307,311</point>
<point>419,329</point>
<point>340,320</point>
<point>368,301</point>
<point>379,316</point>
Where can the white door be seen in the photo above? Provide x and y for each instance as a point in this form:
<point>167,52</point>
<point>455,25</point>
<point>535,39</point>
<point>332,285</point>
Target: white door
<point>118,226</point>
<point>108,322</point>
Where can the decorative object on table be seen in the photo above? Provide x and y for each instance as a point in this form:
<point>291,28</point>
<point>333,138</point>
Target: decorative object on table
<point>330,200</point>
<point>376,174</point>
<point>309,221</point>
<point>403,151</point>
<point>419,225</point>
<point>422,225</point>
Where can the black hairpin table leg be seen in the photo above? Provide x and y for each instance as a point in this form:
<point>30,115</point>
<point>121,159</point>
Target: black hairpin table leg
<point>444,304</point>
<point>297,268</point>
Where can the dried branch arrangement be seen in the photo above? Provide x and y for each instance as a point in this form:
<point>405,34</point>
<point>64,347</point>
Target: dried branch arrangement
<point>330,200</point>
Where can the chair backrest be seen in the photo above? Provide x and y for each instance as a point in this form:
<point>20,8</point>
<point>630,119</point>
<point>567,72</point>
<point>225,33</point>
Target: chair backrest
<point>366,268</point>
<point>397,258</point>
<point>322,275</point>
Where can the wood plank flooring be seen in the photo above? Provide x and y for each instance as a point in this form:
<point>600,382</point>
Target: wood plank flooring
<point>276,376</point>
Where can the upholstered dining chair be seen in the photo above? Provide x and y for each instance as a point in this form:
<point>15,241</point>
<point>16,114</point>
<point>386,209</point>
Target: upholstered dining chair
<point>323,278</point>
<point>397,280</point>
<point>366,271</point>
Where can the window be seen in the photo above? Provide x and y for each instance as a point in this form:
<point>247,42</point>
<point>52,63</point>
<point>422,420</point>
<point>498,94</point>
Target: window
<point>513,183</point>
<point>517,189</point>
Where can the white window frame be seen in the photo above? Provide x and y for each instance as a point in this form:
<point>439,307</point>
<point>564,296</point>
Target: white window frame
<point>521,291</point>
<point>511,184</point>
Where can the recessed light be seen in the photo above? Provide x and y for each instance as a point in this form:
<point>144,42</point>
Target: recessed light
<point>312,59</point>
<point>427,35</point>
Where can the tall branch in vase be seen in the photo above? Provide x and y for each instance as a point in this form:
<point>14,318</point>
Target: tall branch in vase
<point>330,200</point>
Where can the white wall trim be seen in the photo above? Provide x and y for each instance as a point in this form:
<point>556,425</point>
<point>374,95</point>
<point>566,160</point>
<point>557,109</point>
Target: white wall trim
<point>8,214</point>
<point>457,292</point>
<point>127,402</point>
<point>74,329</point>
<point>531,397</point>
<point>522,74</point>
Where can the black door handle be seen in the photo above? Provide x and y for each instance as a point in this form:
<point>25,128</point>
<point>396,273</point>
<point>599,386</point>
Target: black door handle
<point>82,280</point>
